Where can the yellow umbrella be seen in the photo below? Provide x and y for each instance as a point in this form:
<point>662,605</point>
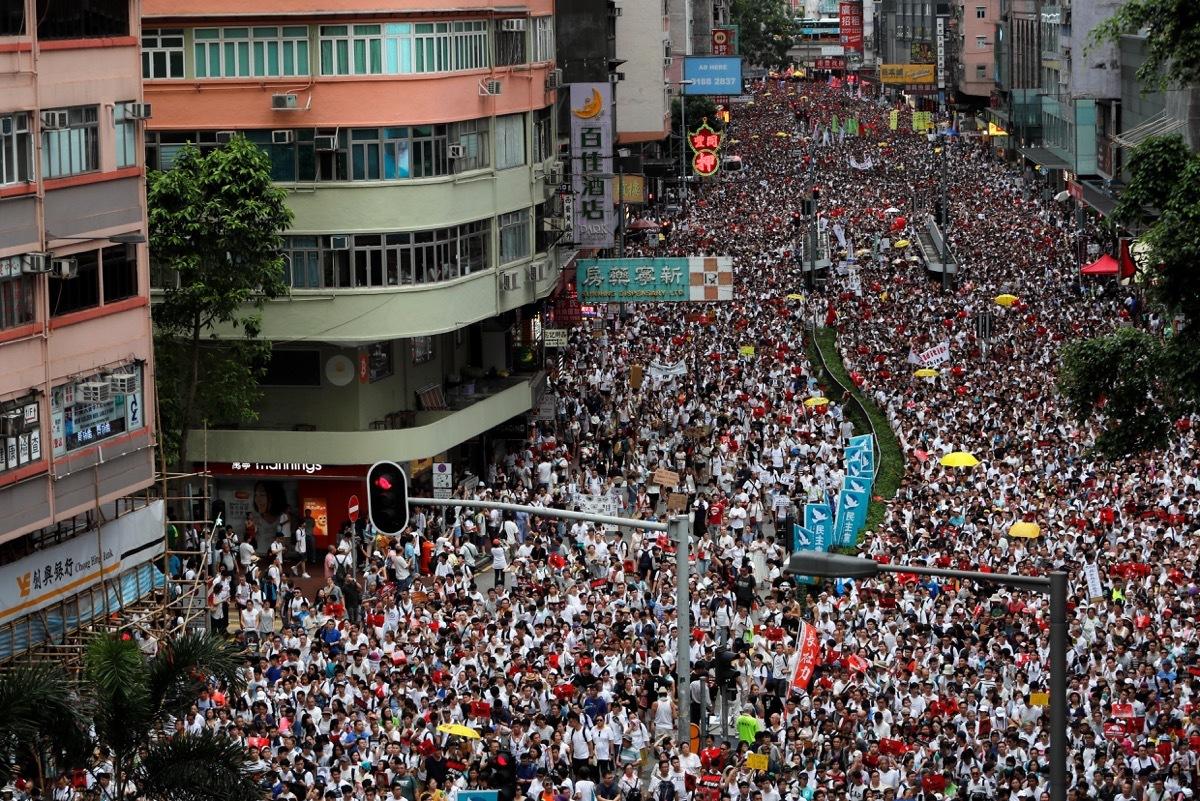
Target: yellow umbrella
<point>1026,530</point>
<point>784,134</point>
<point>862,251</point>
<point>811,402</point>
<point>958,459</point>
<point>1006,300</point>
<point>795,296</point>
<point>458,730</point>
<point>902,243</point>
<point>926,372</point>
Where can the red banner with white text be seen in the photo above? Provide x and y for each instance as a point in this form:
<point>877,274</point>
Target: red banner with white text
<point>808,651</point>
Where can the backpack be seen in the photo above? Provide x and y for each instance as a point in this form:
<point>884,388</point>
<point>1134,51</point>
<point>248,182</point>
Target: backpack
<point>665,791</point>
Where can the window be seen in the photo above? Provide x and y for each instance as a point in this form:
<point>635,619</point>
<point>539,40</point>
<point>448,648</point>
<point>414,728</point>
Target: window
<point>514,236</point>
<point>510,141</point>
<point>279,54</point>
<point>404,48</point>
<point>302,262</point>
<point>126,135</point>
<point>980,72</point>
<point>74,149</point>
<point>471,45</point>
<point>387,260</point>
<point>293,368</point>
<point>543,38</point>
<point>510,47</point>
<point>432,47</point>
<point>473,136</point>
<point>163,147</point>
<point>120,272</point>
<point>543,134</point>
<point>377,153</point>
<point>22,434</point>
<point>78,293</point>
<point>16,148</point>
<point>162,53</point>
<point>422,349</point>
<point>429,151</point>
<point>980,42</point>
<point>12,18</point>
<point>77,423</point>
<point>980,12</point>
<point>78,19</point>
<point>351,50</point>
<point>16,293</point>
<point>222,52</point>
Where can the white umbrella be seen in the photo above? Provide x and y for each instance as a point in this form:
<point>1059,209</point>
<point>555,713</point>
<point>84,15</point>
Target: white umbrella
<point>891,210</point>
<point>1061,196</point>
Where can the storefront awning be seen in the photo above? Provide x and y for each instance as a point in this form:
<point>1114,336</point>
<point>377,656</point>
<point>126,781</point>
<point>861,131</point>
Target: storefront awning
<point>1044,157</point>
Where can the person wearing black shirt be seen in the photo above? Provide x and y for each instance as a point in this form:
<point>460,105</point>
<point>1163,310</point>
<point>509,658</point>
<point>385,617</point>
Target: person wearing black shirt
<point>608,790</point>
<point>743,588</point>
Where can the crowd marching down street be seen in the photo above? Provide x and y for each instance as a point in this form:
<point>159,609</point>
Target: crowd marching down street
<point>559,658</point>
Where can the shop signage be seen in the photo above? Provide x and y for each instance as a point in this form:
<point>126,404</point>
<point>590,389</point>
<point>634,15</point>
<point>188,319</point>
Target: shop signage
<point>591,165</point>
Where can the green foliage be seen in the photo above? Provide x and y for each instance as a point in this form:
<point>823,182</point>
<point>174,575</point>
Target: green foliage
<point>766,31</point>
<point>1121,383</point>
<point>1173,40</point>
<point>216,224</point>
<point>1153,168</point>
<point>699,108</point>
<point>42,715</point>
<point>122,703</point>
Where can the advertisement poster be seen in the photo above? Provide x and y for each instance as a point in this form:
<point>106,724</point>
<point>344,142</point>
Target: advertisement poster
<point>591,165</point>
<point>850,21</point>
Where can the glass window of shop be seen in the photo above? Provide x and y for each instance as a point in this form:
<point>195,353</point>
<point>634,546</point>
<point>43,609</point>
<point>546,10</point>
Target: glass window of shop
<point>20,433</point>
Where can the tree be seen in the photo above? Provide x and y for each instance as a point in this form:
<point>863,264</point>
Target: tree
<point>1173,39</point>
<point>216,223</point>
<point>1132,382</point>
<point>123,704</point>
<point>766,31</point>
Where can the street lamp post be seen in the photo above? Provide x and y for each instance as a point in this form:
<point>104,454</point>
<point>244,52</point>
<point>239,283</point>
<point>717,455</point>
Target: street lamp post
<point>834,565</point>
<point>683,192</point>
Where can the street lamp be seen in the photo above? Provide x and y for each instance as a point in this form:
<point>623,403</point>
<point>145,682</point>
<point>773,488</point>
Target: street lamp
<point>682,137</point>
<point>835,565</point>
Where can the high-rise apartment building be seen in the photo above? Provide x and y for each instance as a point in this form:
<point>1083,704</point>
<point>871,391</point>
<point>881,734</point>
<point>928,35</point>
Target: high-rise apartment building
<point>76,389</point>
<point>417,143</point>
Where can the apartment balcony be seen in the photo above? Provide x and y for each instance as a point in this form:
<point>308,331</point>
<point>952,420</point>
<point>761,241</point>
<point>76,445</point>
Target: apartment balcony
<point>399,436</point>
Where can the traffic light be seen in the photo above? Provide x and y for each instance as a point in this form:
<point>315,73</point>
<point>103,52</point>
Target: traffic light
<point>387,497</point>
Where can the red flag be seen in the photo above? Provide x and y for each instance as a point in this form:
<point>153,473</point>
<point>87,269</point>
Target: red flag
<point>807,654</point>
<point>1128,268</point>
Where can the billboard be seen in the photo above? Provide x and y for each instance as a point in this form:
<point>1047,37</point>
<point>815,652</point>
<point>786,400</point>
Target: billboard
<point>593,218</point>
<point>920,53</point>
<point>724,41</point>
<point>657,280</point>
<point>712,75</point>
<point>906,73</point>
<point>850,22</point>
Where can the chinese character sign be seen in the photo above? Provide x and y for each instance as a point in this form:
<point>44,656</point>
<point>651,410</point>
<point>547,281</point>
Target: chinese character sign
<point>704,142</point>
<point>850,20</point>
<point>591,164</point>
<point>680,279</point>
<point>724,42</point>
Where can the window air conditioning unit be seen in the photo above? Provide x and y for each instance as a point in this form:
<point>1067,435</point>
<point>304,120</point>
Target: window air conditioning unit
<point>138,111</point>
<point>11,424</point>
<point>325,144</point>
<point>514,25</point>
<point>285,102</point>
<point>36,263</point>
<point>93,391</point>
<point>55,120</point>
<point>614,10</point>
<point>554,173</point>
<point>64,268</point>
<point>510,282</point>
<point>489,88</point>
<point>667,61</point>
<point>123,383</point>
<point>455,151</point>
<point>282,137</point>
<point>554,79</point>
<point>225,137</point>
<point>339,243</point>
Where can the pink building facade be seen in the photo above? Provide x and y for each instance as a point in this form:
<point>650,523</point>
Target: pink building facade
<point>76,388</point>
<point>977,46</point>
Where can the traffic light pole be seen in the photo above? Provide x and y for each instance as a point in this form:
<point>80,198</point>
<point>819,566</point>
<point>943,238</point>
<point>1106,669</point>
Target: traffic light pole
<point>677,528</point>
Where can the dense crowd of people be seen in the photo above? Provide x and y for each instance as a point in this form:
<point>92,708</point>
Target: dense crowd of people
<point>554,642</point>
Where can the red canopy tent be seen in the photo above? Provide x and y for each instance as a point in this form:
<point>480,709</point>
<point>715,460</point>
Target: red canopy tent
<point>1105,265</point>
